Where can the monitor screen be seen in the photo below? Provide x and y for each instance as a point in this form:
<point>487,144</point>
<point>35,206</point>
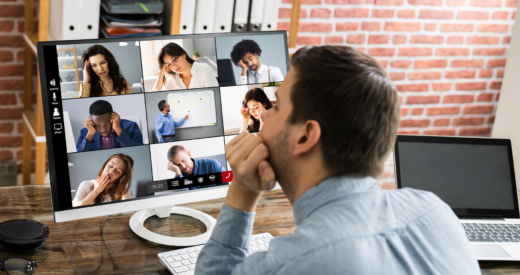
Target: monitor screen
<point>464,173</point>
<point>135,118</point>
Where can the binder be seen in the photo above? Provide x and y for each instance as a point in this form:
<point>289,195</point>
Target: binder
<point>223,16</point>
<point>90,18</point>
<point>187,21</point>
<point>270,17</point>
<point>65,24</point>
<point>241,15</point>
<point>257,11</point>
<point>204,16</point>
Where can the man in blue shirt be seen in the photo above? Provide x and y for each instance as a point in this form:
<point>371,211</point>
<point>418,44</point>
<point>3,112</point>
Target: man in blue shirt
<point>164,123</point>
<point>104,129</point>
<point>325,142</point>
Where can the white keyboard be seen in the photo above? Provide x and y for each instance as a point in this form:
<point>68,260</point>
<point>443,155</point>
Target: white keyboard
<point>182,261</point>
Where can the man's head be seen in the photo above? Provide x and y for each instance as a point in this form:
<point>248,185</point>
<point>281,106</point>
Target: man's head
<point>181,158</point>
<point>164,106</point>
<point>336,111</point>
<point>100,113</point>
<point>248,51</point>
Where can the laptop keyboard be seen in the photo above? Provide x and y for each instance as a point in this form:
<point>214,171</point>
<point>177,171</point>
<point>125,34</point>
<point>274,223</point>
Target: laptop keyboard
<point>492,232</point>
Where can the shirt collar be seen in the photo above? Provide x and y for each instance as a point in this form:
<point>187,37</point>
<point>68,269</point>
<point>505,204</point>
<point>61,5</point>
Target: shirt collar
<point>261,70</point>
<point>195,166</point>
<point>110,136</point>
<point>341,187</point>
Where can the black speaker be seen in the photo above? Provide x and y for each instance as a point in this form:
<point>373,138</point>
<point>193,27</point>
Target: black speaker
<point>22,235</point>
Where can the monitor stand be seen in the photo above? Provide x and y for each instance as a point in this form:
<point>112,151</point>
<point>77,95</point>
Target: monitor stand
<point>137,225</point>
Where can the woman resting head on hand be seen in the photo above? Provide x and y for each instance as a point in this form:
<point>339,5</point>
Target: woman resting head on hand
<point>255,103</point>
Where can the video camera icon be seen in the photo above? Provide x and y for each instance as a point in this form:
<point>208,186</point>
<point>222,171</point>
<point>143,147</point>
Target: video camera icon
<point>188,182</point>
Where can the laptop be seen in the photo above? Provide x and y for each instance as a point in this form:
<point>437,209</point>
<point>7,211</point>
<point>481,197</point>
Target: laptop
<point>476,178</point>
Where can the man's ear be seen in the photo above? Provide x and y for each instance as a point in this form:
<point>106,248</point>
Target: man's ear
<point>189,154</point>
<point>309,136</point>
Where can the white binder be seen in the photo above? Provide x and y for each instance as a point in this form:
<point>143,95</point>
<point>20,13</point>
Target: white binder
<point>241,14</point>
<point>257,11</point>
<point>270,19</point>
<point>204,16</point>
<point>90,18</point>
<point>187,21</point>
<point>65,22</point>
<point>223,15</point>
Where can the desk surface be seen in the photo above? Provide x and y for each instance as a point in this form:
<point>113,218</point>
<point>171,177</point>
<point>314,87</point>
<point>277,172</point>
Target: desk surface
<point>106,245</point>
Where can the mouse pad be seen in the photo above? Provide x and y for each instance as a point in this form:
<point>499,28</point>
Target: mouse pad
<point>489,251</point>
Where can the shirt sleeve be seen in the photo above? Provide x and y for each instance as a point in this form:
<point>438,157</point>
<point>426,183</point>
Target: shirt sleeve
<point>276,74</point>
<point>128,88</point>
<point>179,123</point>
<point>158,129</point>
<point>84,90</point>
<point>82,191</point>
<point>82,144</point>
<point>130,136</point>
<point>209,78</point>
<point>242,79</point>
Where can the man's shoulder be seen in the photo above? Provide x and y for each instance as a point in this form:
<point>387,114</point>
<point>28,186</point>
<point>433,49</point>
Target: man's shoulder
<point>207,161</point>
<point>127,123</point>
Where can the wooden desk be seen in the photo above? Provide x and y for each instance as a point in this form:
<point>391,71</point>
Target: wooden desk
<point>106,245</point>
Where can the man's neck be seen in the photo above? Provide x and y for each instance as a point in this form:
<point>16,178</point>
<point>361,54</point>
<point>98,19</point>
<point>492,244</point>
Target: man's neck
<point>165,112</point>
<point>258,67</point>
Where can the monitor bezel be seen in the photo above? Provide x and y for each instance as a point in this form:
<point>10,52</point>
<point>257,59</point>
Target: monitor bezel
<point>467,213</point>
<point>110,208</point>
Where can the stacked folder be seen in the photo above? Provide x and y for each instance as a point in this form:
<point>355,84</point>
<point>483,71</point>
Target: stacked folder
<point>130,18</point>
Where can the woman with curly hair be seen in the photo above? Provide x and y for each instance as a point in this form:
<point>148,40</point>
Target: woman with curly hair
<point>245,55</point>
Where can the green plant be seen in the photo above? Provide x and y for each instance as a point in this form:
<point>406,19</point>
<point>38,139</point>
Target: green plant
<point>271,84</point>
<point>197,52</point>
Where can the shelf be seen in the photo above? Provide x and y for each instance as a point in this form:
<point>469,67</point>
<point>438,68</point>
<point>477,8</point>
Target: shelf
<point>68,57</point>
<point>70,82</point>
<point>69,70</point>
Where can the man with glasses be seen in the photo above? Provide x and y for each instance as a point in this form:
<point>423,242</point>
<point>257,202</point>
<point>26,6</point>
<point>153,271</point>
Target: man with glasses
<point>104,129</point>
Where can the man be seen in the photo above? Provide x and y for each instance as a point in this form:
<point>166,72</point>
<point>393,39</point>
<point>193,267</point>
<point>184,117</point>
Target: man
<point>245,54</point>
<point>164,123</point>
<point>104,129</point>
<point>325,143</point>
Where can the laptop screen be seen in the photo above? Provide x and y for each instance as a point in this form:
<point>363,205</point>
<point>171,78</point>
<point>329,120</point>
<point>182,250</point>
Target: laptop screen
<point>466,173</point>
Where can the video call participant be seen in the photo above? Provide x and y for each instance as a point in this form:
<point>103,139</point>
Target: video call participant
<point>101,75</point>
<point>112,183</point>
<point>179,71</point>
<point>104,129</point>
<point>164,123</point>
<point>245,55</point>
<point>254,104</point>
<point>325,144</point>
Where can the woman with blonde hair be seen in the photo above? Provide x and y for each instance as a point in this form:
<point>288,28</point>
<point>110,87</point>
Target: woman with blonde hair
<point>112,183</point>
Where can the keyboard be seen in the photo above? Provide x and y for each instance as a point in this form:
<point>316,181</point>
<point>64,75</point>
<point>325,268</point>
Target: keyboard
<point>182,261</point>
<point>492,232</point>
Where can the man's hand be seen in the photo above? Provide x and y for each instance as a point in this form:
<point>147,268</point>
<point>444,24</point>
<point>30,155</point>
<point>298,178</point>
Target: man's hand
<point>243,66</point>
<point>115,119</point>
<point>186,117</point>
<point>91,129</point>
<point>252,174</point>
<point>174,168</point>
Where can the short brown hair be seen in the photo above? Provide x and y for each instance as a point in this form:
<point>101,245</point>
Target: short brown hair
<point>174,151</point>
<point>356,105</point>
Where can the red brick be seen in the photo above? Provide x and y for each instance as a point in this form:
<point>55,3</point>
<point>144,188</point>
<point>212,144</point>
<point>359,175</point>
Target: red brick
<point>371,26</point>
<point>10,113</point>
<point>378,39</point>
<point>6,25</point>
<point>402,26</point>
<point>478,109</point>
<point>286,13</point>
<point>285,26</point>
<point>389,2</point>
<point>441,87</point>
<point>321,13</point>
<point>485,131</point>
<point>334,39</point>
<point>401,132</point>
<point>482,40</point>
<point>464,121</point>
<point>382,52</point>
<point>475,63</point>
<point>435,14</point>
<point>424,64</point>
<point>472,15</point>
<point>497,62</point>
<point>404,111</point>
<point>382,13</point>
<point>495,85</point>
<point>500,15</point>
<point>506,40</point>
<point>452,52</point>
<point>11,41</point>
<point>425,99</point>
<point>424,75</point>
<point>491,120</point>
<point>485,3</point>
<point>460,74</point>
<point>12,10</point>
<point>314,27</point>
<point>497,97</point>
<point>443,132</point>
<point>417,111</point>
<point>11,70</point>
<point>11,84</point>
<point>426,39</point>
<point>457,27</point>
<point>19,127</point>
<point>455,40</point>
<point>456,3</point>
<point>412,87</point>
<point>358,13</point>
<point>425,2</point>
<point>406,14</point>
<point>430,26</point>
<point>6,56</point>
<point>500,74</point>
<point>440,111</point>
<point>311,2</point>
<point>489,51</point>
<point>487,97</point>
<point>458,98</point>
<point>400,63</point>
<point>346,26</point>
<point>408,123</point>
<point>493,28</point>
<point>361,49</point>
<point>399,39</point>
<point>6,155</point>
<point>7,99</point>
<point>470,86</point>
<point>6,127</point>
<point>513,15</point>
<point>441,122</point>
<point>309,40</point>
<point>396,76</point>
<point>415,51</point>
<point>383,63</point>
<point>356,39</point>
<point>485,74</point>
<point>511,3</point>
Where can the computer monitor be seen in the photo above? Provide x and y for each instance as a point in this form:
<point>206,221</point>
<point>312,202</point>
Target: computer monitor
<point>127,130</point>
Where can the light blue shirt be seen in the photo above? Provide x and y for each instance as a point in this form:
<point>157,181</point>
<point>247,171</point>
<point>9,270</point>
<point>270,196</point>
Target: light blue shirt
<point>165,126</point>
<point>347,225</point>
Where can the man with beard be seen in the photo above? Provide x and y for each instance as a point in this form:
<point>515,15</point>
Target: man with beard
<point>245,54</point>
<point>164,123</point>
<point>325,142</point>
